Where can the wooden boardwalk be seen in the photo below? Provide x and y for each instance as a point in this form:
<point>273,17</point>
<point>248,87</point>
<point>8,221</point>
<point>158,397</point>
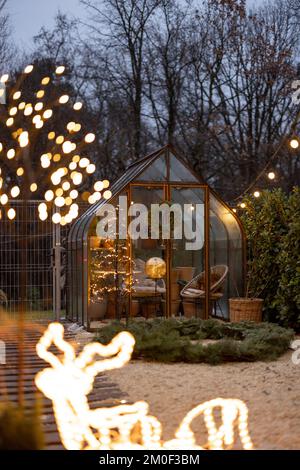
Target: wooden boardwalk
<point>104,393</point>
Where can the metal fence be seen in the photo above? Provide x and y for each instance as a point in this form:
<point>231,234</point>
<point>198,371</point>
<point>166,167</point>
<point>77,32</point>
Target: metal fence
<point>27,247</point>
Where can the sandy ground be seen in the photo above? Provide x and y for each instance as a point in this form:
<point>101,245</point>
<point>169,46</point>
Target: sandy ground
<point>271,391</point>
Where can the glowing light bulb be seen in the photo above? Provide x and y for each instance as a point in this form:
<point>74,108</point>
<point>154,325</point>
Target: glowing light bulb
<point>48,114</point>
<point>243,205</point>
<point>11,154</point>
<point>64,99</point>
<point>70,126</point>
<point>20,171</point>
<point>91,199</point>
<point>90,168</point>
<point>74,194</point>
<point>77,178</point>
<point>84,162</point>
<point>43,215</point>
<point>10,122</point>
<point>56,218</point>
<point>55,178</point>
<point>42,207</point>
<point>66,186</point>
<point>72,166</point>
<point>67,147</point>
<point>98,186</point>
<point>271,175</point>
<point>39,106</point>
<point>4,199</point>
<point>16,95</point>
<point>49,195</point>
<point>45,81</point>
<point>28,110</point>
<point>15,191</point>
<point>89,138</point>
<point>4,78</point>
<point>60,139</point>
<point>60,70</point>
<point>77,106</point>
<point>11,214</point>
<point>13,111</point>
<point>24,139</point>
<point>33,187</point>
<point>40,94</point>
<point>107,194</point>
<point>294,143</point>
<point>28,69</point>
<point>105,183</point>
<point>45,161</point>
<point>256,194</point>
<point>59,201</point>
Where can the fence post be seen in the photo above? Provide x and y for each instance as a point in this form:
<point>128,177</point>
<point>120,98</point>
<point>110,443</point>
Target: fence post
<point>57,272</point>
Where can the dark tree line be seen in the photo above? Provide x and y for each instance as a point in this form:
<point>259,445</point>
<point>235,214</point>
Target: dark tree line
<point>214,78</point>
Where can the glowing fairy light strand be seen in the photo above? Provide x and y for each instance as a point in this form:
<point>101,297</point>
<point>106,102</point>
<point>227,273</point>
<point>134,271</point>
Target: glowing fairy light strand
<point>58,160</point>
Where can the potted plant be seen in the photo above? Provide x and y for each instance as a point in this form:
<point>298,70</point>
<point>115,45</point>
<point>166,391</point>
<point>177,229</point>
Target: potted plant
<point>250,307</point>
<point>98,307</point>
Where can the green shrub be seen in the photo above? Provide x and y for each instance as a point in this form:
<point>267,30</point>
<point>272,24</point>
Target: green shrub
<point>266,223</point>
<point>288,295</point>
<point>272,224</point>
<point>178,340</point>
<point>20,431</point>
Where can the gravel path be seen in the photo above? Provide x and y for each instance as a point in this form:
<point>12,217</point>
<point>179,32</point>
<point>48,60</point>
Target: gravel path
<point>271,391</point>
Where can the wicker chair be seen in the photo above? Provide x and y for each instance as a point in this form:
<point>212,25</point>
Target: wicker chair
<point>192,293</point>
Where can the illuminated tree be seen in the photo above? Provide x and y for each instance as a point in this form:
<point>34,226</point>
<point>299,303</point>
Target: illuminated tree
<point>42,118</point>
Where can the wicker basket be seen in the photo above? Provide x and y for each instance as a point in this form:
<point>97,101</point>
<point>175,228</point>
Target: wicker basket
<point>245,310</point>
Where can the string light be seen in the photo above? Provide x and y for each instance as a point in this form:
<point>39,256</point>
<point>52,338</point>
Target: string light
<point>294,143</point>
<point>271,175</point>
<point>77,106</point>
<point>64,178</point>
<point>69,381</point>
<point>45,81</point>
<point>28,69</point>
<point>16,95</point>
<point>4,78</point>
<point>89,138</point>
<point>256,194</point>
<point>11,214</point>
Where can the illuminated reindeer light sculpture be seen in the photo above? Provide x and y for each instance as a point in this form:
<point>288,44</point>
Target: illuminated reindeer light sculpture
<point>70,379</point>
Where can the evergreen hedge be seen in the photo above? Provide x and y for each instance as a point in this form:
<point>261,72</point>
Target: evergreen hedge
<point>179,340</point>
<point>272,224</point>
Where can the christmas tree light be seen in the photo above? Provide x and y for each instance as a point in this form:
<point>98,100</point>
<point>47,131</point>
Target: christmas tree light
<point>25,122</point>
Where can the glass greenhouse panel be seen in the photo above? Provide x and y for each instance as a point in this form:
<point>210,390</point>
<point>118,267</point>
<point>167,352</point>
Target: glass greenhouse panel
<point>179,172</point>
<point>226,250</point>
<point>156,171</point>
<point>188,251</point>
<point>148,294</point>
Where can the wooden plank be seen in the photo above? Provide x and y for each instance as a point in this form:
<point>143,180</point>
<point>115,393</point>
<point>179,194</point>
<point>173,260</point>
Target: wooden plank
<point>104,394</point>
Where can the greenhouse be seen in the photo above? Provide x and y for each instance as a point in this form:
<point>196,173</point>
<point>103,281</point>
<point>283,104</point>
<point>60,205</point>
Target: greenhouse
<point>163,244</point>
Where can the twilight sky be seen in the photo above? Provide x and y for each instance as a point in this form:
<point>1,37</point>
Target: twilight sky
<point>28,16</point>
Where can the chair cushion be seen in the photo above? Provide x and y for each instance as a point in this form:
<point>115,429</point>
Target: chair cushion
<point>191,292</point>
